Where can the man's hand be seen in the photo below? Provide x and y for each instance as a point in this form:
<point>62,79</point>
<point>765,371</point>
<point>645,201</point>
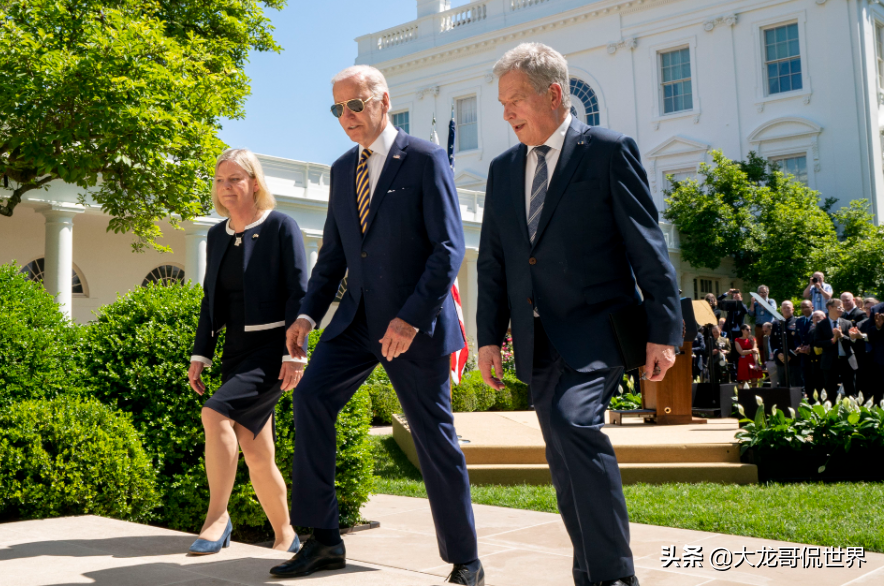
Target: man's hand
<point>398,339</point>
<point>193,376</point>
<point>489,356</point>
<point>838,333</point>
<point>290,374</point>
<point>660,358</point>
<point>854,333</point>
<point>295,336</point>
<point>781,357</point>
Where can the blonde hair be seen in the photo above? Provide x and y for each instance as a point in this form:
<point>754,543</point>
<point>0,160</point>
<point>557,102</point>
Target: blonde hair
<point>246,159</point>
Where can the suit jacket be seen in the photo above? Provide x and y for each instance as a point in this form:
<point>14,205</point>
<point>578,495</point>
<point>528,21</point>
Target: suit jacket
<point>876,336</point>
<point>736,313</point>
<point>406,262</point>
<point>275,278</point>
<point>803,325</point>
<point>598,236</point>
<point>823,335</point>
<point>793,340</point>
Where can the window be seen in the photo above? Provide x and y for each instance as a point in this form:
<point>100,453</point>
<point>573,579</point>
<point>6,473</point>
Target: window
<point>35,270</point>
<point>164,275</point>
<point>675,76</point>
<point>467,124</point>
<point>400,119</point>
<point>879,45</point>
<point>782,59</point>
<point>585,94</point>
<point>795,166</point>
<point>677,176</point>
<point>703,287</point>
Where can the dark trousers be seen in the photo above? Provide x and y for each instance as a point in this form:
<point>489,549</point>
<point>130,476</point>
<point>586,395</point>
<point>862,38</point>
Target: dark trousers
<point>571,406</point>
<point>337,368</point>
<point>796,378</point>
<point>847,376</point>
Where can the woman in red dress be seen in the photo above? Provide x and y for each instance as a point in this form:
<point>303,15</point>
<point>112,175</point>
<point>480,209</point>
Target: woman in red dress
<point>747,368</point>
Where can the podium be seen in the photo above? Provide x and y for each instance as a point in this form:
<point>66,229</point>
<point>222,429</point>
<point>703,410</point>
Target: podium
<point>671,397</point>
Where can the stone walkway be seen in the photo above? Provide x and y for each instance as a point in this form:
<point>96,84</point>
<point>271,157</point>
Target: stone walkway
<point>518,548</point>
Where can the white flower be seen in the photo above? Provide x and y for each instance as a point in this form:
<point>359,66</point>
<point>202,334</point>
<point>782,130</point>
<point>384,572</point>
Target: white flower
<point>792,413</point>
<point>816,396</point>
<point>859,398</point>
<point>773,410</point>
<point>870,403</point>
<point>759,400</point>
<point>827,405</point>
<point>824,395</point>
<point>848,402</point>
<point>882,403</point>
<point>743,411</point>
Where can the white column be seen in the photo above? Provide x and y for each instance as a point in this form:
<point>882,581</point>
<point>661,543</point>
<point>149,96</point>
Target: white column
<point>59,252</point>
<point>195,234</point>
<point>472,297</point>
<point>312,253</point>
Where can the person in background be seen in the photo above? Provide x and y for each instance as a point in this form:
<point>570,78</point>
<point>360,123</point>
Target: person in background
<point>718,369</point>
<point>790,353</point>
<point>815,354</point>
<point>748,369</point>
<point>868,304</point>
<point>721,322</point>
<point>818,291</point>
<point>837,362</point>
<point>803,325</point>
<point>770,364</point>
<point>762,316</point>
<point>736,314</point>
<point>873,328</point>
<point>713,303</point>
<point>865,369</point>
<point>698,349</point>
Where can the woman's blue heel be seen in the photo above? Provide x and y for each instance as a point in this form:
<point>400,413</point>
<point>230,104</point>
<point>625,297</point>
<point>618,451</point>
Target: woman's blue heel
<point>296,545</point>
<point>204,546</point>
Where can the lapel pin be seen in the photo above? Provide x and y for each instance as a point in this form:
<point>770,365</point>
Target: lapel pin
<point>395,156</point>
<point>581,142</point>
<point>254,236</point>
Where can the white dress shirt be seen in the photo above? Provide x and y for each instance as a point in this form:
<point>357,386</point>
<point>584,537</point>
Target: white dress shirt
<point>555,143</point>
<point>380,148</point>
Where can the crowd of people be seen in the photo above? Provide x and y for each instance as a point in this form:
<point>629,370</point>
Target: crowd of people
<point>835,343</point>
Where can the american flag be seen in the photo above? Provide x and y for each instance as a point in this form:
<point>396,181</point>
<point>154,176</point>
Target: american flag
<point>459,358</point>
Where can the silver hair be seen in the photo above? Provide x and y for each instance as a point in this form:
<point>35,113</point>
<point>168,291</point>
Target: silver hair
<point>543,65</point>
<point>377,83</point>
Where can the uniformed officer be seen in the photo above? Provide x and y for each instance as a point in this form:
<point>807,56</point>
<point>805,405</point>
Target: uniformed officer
<point>790,353</point>
<point>802,327</point>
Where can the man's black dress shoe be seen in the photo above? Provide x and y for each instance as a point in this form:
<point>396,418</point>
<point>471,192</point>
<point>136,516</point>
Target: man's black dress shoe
<point>628,581</point>
<point>313,557</point>
<point>462,574</point>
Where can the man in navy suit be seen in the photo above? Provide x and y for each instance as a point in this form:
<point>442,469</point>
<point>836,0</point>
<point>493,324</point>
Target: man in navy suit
<point>394,229</point>
<point>569,230</point>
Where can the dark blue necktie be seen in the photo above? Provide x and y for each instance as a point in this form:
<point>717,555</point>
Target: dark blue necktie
<point>538,191</point>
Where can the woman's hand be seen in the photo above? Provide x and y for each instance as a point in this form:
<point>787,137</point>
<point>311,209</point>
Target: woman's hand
<point>193,376</point>
<point>290,374</point>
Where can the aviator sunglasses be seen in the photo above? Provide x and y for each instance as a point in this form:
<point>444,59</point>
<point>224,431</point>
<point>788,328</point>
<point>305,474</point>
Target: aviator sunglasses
<point>356,105</point>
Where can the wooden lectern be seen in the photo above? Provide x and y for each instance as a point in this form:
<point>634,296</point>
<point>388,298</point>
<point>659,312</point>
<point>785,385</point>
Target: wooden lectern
<point>671,397</point>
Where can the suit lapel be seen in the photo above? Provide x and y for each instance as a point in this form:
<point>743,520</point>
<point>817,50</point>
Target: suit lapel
<point>394,161</point>
<point>520,159</point>
<point>220,247</point>
<point>572,153</point>
<point>348,183</point>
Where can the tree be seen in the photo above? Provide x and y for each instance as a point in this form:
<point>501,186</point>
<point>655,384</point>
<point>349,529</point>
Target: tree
<point>855,262</point>
<point>771,225</point>
<point>123,98</point>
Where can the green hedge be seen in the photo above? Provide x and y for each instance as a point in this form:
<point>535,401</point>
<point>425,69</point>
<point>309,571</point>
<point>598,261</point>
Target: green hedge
<point>72,456</point>
<point>37,342</point>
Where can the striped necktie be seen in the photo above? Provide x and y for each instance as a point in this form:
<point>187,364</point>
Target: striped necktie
<point>363,189</point>
<point>538,191</point>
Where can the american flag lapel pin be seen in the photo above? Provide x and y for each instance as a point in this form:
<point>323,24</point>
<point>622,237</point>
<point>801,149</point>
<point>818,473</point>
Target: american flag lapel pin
<point>395,156</point>
<point>254,236</point>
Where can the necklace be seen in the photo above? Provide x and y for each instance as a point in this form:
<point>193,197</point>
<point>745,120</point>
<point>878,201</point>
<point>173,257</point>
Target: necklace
<point>239,236</point>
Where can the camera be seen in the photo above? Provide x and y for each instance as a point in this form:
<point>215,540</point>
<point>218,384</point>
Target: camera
<point>815,280</point>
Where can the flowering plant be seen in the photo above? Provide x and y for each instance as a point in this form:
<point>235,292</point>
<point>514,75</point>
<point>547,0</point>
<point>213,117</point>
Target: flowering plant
<point>627,398</point>
<point>509,357</point>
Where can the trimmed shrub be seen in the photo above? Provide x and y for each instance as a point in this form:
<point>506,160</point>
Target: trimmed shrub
<point>384,402</point>
<point>136,357</point>
<point>37,342</point>
<point>72,456</point>
<point>472,394</point>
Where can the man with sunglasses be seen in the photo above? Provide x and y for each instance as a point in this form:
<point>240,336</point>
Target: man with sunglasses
<point>394,228</point>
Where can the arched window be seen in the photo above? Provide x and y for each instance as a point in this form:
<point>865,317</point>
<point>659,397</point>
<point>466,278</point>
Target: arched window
<point>586,104</point>
<point>165,275</point>
<point>35,270</point>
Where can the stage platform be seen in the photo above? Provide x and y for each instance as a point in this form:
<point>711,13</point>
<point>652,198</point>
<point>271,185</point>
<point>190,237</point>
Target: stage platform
<point>507,448</point>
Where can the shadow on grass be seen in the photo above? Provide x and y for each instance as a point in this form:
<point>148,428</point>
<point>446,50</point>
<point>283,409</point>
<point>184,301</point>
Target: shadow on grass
<point>390,462</point>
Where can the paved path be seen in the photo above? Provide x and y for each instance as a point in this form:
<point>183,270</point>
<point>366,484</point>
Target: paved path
<point>518,548</point>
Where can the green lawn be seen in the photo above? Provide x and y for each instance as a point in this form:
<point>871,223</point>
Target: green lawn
<point>847,514</point>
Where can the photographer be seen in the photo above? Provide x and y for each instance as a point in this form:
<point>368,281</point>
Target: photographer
<point>721,349</point>
<point>762,316</point>
<point>818,291</point>
<point>713,303</point>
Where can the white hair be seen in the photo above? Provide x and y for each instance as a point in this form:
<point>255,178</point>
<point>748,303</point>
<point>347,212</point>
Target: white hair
<point>377,84</point>
<point>543,65</point>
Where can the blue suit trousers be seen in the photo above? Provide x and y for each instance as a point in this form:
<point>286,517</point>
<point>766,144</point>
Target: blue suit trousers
<point>571,406</point>
<point>337,369</point>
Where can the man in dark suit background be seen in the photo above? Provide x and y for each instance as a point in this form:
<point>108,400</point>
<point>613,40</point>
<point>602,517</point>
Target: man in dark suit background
<point>802,327</point>
<point>855,315</point>
<point>394,228</point>
<point>569,229</point>
<point>873,328</point>
<point>837,362</point>
<point>790,353</point>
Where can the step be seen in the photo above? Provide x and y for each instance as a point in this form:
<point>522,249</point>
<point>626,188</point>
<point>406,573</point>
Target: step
<point>630,454</point>
<point>719,472</point>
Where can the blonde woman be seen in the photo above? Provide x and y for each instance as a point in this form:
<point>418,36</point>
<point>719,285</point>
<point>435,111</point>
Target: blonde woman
<point>256,276</point>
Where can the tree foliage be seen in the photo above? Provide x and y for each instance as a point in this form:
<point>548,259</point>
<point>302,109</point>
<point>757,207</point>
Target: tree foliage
<point>123,98</point>
<point>776,230</point>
